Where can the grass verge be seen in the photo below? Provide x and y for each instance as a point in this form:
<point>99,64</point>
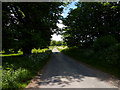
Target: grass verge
<point>60,48</point>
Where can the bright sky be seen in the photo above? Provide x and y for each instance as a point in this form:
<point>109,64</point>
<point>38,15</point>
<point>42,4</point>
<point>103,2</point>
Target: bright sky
<point>68,7</point>
<point>64,14</point>
<point>56,37</point>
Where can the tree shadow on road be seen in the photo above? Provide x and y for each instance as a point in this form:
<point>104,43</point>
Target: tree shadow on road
<point>62,71</point>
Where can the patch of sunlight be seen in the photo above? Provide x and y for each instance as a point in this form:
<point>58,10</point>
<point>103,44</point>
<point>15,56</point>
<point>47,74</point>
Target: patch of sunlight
<point>107,3</point>
<point>3,55</point>
<point>34,50</point>
<point>114,6</point>
<point>43,50</point>
<point>62,47</point>
<point>2,51</point>
<point>51,47</point>
<point>20,52</point>
<point>38,50</point>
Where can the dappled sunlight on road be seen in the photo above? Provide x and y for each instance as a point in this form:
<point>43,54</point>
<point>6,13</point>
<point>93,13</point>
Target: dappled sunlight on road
<point>64,72</point>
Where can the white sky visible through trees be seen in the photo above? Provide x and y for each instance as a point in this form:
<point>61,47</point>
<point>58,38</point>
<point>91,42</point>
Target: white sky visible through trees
<point>64,14</point>
<point>55,36</point>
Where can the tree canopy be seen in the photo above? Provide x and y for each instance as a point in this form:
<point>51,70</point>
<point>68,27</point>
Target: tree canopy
<point>29,25</point>
<point>90,21</point>
<point>57,43</point>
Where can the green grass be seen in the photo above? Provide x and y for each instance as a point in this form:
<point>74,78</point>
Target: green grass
<point>2,51</point>
<point>91,58</point>
<point>51,47</point>
<point>19,70</point>
<point>3,54</point>
<point>38,50</point>
<point>60,48</point>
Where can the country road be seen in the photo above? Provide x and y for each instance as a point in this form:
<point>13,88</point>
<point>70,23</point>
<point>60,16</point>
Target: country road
<point>64,72</point>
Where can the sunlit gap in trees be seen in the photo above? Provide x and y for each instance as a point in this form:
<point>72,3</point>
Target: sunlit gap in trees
<point>60,25</point>
<point>58,37</point>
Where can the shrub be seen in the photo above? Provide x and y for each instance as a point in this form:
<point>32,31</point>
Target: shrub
<point>17,71</point>
<point>110,55</point>
<point>11,77</point>
<point>104,42</point>
<point>113,54</point>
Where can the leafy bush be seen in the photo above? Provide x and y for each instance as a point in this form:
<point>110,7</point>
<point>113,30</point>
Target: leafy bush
<point>104,42</point>
<point>11,77</point>
<point>17,71</point>
<point>111,55</point>
<point>107,60</point>
<point>108,57</point>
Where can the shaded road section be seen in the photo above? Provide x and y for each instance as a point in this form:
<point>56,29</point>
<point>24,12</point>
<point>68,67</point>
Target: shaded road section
<point>64,72</point>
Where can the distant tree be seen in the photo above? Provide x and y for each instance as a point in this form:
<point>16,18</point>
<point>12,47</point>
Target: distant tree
<point>53,43</point>
<point>57,43</point>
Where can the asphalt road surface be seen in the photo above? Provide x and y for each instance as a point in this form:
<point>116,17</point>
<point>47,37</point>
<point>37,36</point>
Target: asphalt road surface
<point>64,72</point>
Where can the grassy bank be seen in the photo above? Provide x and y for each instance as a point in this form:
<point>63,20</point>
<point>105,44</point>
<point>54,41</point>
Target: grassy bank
<point>60,48</point>
<point>93,59</point>
<point>19,70</point>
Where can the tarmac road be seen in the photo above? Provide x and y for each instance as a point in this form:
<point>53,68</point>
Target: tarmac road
<point>64,72</point>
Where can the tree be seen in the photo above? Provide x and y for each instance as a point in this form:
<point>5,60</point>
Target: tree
<point>56,43</point>
<point>29,25</point>
<point>53,43</point>
<point>59,43</point>
<point>90,21</point>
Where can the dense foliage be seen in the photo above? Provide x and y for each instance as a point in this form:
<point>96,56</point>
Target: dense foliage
<point>107,60</point>
<point>26,28</point>
<point>57,43</point>
<point>90,21</point>
<point>104,42</point>
<point>94,30</point>
<point>19,70</point>
<point>28,25</point>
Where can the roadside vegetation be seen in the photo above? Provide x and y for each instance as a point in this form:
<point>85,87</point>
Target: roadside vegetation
<point>26,35</point>
<point>92,34</point>
<point>29,25</point>
<point>19,70</point>
<point>60,45</point>
<point>60,48</point>
<point>57,43</point>
<point>105,55</point>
